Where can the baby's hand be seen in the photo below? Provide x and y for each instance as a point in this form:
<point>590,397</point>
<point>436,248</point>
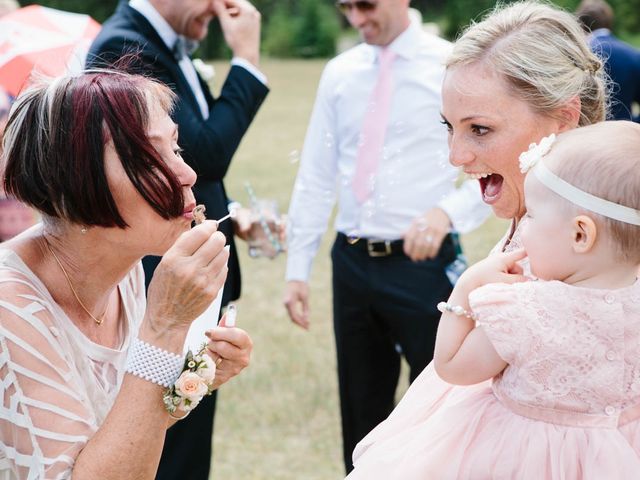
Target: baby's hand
<point>497,268</point>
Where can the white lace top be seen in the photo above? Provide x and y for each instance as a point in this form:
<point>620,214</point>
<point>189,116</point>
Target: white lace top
<point>57,385</point>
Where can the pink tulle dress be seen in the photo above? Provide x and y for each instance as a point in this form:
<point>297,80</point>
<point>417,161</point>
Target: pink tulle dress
<point>566,407</point>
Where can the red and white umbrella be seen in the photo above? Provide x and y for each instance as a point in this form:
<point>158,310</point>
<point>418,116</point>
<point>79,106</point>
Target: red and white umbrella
<point>43,39</point>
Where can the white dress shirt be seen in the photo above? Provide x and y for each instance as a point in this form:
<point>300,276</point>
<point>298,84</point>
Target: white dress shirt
<point>169,37</point>
<point>414,174</point>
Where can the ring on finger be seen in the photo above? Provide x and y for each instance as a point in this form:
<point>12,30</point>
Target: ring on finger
<point>218,361</point>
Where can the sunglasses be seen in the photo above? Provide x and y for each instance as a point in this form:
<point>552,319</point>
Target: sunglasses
<point>362,6</point>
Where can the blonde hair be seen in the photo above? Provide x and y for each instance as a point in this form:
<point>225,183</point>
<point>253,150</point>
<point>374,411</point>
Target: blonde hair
<point>604,160</point>
<point>543,55</point>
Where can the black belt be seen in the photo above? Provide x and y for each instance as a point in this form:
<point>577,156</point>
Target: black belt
<point>375,248</point>
<point>386,248</point>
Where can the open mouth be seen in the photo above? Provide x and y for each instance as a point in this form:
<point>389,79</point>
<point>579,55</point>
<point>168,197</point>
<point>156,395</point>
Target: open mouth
<point>491,187</point>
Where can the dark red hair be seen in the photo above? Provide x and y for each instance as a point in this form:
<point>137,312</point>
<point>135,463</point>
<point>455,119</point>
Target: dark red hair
<point>55,142</point>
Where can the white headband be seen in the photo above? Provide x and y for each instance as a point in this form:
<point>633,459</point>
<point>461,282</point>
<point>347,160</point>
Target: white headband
<point>532,158</point>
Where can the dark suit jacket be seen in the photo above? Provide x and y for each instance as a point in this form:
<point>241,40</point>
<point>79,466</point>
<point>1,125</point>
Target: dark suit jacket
<point>622,63</point>
<point>209,144</point>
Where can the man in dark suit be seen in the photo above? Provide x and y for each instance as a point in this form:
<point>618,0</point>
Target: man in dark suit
<point>621,60</point>
<point>163,33</point>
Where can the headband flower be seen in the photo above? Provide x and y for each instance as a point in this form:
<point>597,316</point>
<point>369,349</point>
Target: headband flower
<point>532,156</point>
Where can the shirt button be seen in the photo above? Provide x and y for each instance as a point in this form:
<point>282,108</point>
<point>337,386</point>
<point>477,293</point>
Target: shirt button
<point>609,298</point>
<point>609,410</point>
<point>611,355</point>
<point>54,331</point>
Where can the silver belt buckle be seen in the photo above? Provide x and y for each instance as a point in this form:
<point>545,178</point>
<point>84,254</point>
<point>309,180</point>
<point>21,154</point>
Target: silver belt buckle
<point>374,253</point>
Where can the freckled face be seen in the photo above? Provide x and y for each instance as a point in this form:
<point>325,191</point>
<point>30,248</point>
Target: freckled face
<point>488,129</point>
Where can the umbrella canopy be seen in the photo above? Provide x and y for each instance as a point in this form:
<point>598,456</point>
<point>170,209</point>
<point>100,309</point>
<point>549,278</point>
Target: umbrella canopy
<point>43,39</point>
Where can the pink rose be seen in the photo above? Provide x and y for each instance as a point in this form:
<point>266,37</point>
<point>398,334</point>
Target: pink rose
<point>191,386</point>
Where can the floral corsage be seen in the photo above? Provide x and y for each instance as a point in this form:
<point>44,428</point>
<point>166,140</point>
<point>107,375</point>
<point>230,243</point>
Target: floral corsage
<point>195,381</point>
<point>532,156</point>
<point>206,71</point>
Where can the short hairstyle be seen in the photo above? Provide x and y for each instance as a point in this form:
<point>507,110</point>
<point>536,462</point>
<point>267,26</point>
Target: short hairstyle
<point>604,160</point>
<point>542,54</point>
<point>595,14</point>
<point>55,140</point>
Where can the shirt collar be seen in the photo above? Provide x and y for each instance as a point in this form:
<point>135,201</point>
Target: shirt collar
<point>157,21</point>
<point>406,44</point>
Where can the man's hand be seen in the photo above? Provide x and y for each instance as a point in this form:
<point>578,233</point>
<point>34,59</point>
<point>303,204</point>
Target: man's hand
<point>425,236</point>
<point>296,299</point>
<point>240,23</point>
<point>242,222</point>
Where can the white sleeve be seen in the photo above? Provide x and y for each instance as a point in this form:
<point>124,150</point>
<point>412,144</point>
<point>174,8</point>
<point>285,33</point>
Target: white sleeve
<point>314,193</point>
<point>465,207</point>
<point>251,68</point>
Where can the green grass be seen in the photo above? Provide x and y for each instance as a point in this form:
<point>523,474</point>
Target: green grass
<point>279,419</point>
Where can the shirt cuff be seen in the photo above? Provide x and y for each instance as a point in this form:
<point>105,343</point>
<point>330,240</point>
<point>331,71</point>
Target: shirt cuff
<point>298,267</point>
<point>251,68</point>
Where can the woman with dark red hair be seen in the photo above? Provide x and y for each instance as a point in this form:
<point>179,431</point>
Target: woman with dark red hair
<point>92,373</point>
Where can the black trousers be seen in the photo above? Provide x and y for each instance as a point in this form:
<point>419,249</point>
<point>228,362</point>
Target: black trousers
<point>383,307</point>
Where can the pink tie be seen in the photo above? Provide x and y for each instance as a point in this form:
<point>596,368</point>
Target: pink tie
<point>374,128</point>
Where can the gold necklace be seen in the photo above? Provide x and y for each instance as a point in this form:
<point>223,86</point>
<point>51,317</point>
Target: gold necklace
<point>73,290</point>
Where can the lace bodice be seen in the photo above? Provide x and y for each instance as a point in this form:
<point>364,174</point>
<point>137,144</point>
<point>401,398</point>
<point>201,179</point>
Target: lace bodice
<point>58,385</point>
<point>570,350</point>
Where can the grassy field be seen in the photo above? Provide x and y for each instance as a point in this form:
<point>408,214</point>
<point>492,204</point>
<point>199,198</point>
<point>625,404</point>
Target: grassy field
<point>279,420</point>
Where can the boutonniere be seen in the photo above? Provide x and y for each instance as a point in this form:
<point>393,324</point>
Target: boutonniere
<point>206,71</point>
<point>532,156</point>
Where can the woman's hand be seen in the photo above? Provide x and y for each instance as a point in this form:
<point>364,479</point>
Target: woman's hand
<point>497,268</point>
<point>188,278</point>
<point>231,349</point>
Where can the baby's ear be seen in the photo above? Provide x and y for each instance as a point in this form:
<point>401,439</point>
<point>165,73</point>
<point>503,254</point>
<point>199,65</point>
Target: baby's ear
<point>584,234</point>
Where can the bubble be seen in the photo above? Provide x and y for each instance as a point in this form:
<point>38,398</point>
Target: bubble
<point>294,156</point>
<point>371,181</point>
<point>372,107</point>
<point>399,127</point>
<point>327,196</point>
<point>361,139</point>
<point>328,140</point>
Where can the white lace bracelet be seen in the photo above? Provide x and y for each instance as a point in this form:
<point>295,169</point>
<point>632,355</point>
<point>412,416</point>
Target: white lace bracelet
<point>455,309</point>
<point>154,364</point>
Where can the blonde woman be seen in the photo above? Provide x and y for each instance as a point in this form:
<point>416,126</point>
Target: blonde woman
<point>525,72</point>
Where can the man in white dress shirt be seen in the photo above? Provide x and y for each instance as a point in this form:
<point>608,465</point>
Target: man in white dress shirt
<point>377,112</point>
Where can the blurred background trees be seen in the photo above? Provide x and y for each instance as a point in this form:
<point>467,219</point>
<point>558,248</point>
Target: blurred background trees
<point>311,28</point>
